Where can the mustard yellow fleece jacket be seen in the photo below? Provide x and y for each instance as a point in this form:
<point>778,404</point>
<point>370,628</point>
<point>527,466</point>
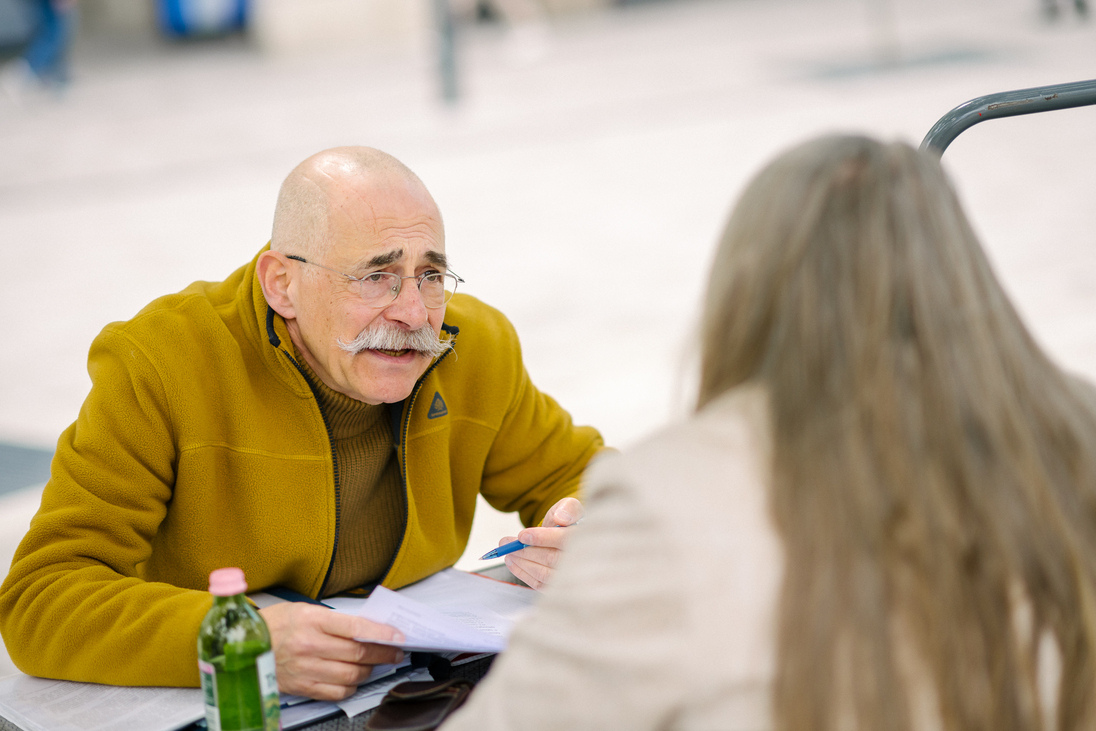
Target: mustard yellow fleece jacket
<point>201,445</point>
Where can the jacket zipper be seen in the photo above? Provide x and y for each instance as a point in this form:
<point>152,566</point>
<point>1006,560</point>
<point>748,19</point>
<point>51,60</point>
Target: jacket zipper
<point>272,336</point>
<point>405,429</point>
<point>334,467</point>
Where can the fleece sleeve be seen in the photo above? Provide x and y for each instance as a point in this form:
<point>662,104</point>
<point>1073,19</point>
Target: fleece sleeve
<point>73,605</point>
<point>539,454</point>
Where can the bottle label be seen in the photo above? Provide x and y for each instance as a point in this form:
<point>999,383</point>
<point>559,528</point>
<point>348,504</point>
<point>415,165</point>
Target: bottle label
<point>268,689</point>
<point>209,691</point>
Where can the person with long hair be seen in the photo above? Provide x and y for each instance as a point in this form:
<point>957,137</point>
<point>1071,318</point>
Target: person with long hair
<point>882,516</point>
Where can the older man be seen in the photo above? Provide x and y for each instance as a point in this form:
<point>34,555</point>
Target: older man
<point>324,419</point>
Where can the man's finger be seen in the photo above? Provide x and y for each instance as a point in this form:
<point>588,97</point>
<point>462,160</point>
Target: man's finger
<point>543,537</point>
<point>567,511</point>
<point>371,654</point>
<point>334,680</point>
<point>308,675</point>
<point>519,569</point>
<point>543,556</point>
<point>358,653</point>
<point>322,670</point>
<point>329,692</point>
<point>352,627</point>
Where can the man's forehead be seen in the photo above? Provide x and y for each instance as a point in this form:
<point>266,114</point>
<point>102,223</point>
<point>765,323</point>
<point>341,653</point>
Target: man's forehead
<point>385,195</point>
<point>399,208</point>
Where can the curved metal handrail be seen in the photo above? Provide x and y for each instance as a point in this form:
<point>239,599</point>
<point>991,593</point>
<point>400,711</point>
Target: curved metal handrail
<point>1007,104</point>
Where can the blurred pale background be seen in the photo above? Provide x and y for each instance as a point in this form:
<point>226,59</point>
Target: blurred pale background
<point>591,158</point>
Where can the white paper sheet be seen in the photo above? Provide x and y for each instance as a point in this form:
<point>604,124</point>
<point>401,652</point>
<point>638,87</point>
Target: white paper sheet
<point>37,704</point>
<point>449,611</point>
<point>424,628</point>
<point>453,588</point>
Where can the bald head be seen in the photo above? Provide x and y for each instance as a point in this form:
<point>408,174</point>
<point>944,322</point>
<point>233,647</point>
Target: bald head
<point>328,179</point>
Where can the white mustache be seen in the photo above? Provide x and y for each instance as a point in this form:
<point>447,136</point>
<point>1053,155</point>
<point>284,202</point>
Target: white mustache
<point>386,337</point>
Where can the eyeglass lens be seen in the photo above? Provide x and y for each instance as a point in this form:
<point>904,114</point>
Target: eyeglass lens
<point>380,288</point>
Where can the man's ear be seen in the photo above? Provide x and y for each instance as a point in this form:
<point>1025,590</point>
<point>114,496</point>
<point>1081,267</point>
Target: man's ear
<point>276,279</point>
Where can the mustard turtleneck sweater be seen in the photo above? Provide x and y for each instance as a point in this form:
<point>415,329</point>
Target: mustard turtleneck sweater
<point>371,499</point>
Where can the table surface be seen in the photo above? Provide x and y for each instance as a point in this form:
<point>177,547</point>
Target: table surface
<point>337,723</point>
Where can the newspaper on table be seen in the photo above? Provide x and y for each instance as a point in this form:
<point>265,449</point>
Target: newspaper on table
<point>38,704</point>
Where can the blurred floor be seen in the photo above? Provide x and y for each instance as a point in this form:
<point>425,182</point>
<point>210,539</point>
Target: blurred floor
<point>574,184</point>
<point>16,510</point>
<point>21,467</point>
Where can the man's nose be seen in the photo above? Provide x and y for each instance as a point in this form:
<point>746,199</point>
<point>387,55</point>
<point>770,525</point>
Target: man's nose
<point>408,306</point>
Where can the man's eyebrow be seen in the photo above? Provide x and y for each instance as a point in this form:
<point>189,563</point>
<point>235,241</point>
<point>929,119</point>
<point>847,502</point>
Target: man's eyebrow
<point>388,258</point>
<point>383,260</point>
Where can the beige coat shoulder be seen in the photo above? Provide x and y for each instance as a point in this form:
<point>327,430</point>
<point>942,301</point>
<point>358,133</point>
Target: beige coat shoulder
<point>661,613</point>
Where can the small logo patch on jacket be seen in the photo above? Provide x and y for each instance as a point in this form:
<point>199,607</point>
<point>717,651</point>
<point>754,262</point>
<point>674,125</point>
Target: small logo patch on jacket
<point>437,407</point>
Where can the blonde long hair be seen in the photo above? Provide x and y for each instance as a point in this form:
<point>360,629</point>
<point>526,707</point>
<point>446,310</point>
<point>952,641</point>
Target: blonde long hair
<point>934,473</point>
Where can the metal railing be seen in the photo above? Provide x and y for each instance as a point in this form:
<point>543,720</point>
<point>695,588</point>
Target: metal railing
<point>1007,104</point>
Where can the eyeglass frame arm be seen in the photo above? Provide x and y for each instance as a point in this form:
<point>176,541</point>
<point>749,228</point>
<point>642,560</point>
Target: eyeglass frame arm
<point>1007,104</point>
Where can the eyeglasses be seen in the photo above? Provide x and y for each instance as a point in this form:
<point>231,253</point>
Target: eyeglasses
<point>380,289</point>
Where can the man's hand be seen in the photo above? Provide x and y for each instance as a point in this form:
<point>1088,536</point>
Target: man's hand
<point>316,653</point>
<point>535,563</point>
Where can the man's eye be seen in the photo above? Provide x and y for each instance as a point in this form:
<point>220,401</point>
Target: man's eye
<point>375,278</point>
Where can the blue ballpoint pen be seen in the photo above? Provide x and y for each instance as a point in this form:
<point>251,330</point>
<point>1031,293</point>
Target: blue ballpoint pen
<point>514,546</point>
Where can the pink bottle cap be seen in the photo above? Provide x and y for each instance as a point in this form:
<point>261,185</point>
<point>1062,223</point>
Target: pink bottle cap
<point>227,582</point>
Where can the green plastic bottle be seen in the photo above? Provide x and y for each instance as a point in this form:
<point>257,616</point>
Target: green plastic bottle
<point>235,660</point>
